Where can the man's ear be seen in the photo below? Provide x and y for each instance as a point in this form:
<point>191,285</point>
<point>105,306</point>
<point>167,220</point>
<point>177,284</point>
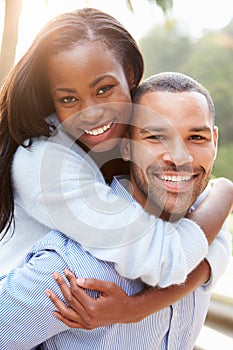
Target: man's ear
<point>125,147</point>
<point>216,140</point>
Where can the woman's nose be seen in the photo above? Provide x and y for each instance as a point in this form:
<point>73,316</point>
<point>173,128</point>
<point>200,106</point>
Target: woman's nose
<point>91,114</point>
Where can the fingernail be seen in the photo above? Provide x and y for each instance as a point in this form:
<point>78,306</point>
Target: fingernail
<point>55,276</point>
<point>47,293</point>
<point>80,281</point>
<point>66,272</point>
<point>56,315</point>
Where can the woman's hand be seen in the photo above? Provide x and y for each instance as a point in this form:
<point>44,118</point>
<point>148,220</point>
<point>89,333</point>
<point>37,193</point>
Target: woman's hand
<point>113,305</point>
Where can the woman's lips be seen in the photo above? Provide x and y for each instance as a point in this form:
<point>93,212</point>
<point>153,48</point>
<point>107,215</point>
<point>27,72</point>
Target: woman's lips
<point>98,131</point>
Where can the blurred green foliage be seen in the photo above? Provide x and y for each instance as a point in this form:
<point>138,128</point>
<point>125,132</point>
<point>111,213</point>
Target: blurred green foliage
<point>224,163</point>
<point>230,226</point>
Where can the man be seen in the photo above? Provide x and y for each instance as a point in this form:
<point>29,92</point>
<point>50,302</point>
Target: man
<point>179,175</point>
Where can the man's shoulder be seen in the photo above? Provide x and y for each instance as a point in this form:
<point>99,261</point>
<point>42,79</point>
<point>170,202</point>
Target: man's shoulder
<point>52,241</point>
<point>56,248</point>
<point>56,242</point>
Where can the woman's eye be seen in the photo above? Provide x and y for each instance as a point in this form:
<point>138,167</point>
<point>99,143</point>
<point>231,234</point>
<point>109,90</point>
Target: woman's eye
<point>68,99</point>
<point>156,137</point>
<point>104,89</point>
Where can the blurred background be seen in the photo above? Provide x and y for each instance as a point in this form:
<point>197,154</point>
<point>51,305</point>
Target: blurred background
<point>190,36</point>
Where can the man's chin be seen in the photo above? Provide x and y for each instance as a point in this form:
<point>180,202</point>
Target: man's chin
<point>175,212</point>
<point>172,216</point>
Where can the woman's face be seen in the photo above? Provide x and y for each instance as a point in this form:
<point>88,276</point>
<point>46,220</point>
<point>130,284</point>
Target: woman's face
<point>91,94</point>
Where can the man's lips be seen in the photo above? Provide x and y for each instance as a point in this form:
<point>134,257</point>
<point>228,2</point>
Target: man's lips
<point>176,179</point>
<point>99,130</point>
<point>175,182</point>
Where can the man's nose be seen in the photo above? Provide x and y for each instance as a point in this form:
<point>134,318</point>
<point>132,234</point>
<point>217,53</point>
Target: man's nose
<point>177,153</point>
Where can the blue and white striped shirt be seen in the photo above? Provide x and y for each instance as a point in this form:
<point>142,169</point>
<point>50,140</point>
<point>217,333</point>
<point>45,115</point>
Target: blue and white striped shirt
<point>26,317</point>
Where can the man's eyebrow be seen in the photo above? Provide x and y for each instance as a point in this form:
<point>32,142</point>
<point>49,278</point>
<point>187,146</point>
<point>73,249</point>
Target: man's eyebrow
<point>146,129</point>
<point>149,128</point>
<point>201,129</point>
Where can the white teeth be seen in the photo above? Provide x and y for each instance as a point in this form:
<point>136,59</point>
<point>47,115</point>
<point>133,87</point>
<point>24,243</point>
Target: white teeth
<point>175,178</point>
<point>98,131</point>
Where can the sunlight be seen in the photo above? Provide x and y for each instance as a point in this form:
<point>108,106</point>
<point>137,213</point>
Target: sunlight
<point>31,20</point>
<point>1,20</point>
<point>35,15</point>
<point>199,15</point>
<point>194,16</point>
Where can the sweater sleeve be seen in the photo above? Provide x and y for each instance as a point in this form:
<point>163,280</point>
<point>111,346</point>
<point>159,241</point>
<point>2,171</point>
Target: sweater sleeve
<point>219,251</point>
<point>218,257</point>
<point>61,187</point>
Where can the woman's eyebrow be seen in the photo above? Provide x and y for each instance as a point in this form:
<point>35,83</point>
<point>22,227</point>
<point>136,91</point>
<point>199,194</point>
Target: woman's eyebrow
<point>64,89</point>
<point>98,79</point>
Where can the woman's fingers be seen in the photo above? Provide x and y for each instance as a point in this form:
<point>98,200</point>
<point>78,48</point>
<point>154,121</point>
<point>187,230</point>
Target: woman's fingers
<point>88,283</point>
<point>111,306</point>
<point>67,290</point>
<point>91,283</point>
<point>64,310</point>
<point>80,303</point>
<point>64,287</point>
<point>69,323</point>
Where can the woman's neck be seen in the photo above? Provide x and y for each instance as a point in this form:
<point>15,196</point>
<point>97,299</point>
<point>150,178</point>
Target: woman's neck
<point>109,162</point>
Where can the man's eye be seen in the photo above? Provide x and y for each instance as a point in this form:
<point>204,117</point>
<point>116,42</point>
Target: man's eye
<point>68,99</point>
<point>104,89</point>
<point>197,137</point>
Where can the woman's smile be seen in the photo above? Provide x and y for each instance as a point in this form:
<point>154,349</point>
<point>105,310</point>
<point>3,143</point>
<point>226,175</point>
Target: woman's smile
<point>99,130</point>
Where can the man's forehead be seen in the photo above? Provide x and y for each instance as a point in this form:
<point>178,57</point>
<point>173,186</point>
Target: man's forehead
<point>165,109</point>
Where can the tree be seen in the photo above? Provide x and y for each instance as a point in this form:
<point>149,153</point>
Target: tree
<point>10,36</point>
<point>164,50</point>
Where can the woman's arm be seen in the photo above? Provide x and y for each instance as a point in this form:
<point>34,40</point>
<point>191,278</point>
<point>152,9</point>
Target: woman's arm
<point>214,209</point>
<point>70,196</point>
<point>113,305</point>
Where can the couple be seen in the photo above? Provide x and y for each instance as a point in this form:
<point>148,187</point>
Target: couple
<point>171,146</point>
<point>174,128</point>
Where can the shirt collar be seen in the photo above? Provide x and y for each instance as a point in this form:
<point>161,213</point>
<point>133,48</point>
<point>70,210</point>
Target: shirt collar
<point>119,187</point>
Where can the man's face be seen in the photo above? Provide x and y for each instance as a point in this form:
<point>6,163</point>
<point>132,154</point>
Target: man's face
<point>172,149</point>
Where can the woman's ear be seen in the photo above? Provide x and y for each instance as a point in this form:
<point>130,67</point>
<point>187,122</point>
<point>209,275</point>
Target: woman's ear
<point>125,147</point>
<point>130,76</point>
